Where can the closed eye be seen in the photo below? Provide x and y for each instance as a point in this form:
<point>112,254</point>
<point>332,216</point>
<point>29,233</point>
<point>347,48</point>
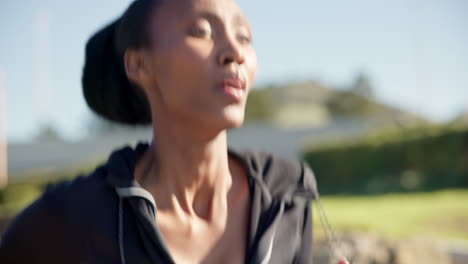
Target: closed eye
<point>200,33</point>
<point>243,39</point>
<point>201,29</point>
<point>244,35</point>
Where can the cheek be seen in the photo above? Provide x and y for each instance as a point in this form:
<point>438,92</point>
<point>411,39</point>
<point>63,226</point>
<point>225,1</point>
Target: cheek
<point>251,65</point>
<point>182,70</point>
<point>191,64</point>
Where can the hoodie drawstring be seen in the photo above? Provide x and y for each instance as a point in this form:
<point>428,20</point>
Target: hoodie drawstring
<point>121,244</point>
<point>267,257</point>
<point>125,192</point>
<point>333,241</point>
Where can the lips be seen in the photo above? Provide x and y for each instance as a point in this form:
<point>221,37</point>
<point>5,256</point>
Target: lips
<point>234,82</point>
<point>234,88</point>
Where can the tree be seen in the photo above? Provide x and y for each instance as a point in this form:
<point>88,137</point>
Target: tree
<point>362,86</point>
<point>47,132</point>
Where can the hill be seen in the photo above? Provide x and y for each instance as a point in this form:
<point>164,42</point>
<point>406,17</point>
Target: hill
<point>312,103</point>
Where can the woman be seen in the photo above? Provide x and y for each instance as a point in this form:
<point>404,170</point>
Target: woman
<point>186,67</point>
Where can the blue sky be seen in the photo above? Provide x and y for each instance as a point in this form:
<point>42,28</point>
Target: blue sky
<point>415,52</point>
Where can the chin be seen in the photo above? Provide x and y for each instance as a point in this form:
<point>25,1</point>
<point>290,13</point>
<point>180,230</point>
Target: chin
<point>233,118</point>
<point>235,124</point>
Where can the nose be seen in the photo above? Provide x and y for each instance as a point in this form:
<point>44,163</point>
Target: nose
<point>231,52</point>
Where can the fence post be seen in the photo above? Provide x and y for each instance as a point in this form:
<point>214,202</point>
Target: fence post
<point>3,141</point>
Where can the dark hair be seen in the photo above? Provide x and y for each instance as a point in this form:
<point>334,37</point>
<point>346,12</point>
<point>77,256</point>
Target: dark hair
<point>106,87</point>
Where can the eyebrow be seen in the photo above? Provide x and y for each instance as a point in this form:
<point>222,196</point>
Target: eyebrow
<point>238,19</point>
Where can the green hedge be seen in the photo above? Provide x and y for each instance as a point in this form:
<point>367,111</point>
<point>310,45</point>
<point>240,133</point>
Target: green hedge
<point>417,159</point>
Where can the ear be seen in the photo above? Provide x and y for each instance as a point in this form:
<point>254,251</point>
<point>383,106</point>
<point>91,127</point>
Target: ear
<point>135,66</point>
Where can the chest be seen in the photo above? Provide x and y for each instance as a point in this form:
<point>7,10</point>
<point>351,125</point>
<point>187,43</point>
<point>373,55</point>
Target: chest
<point>209,244</point>
<point>222,240</point>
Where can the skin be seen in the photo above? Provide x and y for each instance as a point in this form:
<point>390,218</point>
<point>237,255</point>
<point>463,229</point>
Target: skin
<point>201,192</point>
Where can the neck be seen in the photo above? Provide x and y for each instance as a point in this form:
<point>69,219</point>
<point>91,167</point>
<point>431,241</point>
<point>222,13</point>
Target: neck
<point>188,171</point>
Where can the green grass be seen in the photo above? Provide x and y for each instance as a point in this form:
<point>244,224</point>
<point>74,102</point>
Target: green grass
<point>16,197</point>
<point>441,215</point>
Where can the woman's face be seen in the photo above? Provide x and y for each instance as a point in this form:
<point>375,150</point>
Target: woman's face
<point>202,62</point>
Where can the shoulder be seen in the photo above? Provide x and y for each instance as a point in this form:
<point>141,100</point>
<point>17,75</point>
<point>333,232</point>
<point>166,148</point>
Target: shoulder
<point>69,194</point>
<point>280,175</point>
<point>50,218</point>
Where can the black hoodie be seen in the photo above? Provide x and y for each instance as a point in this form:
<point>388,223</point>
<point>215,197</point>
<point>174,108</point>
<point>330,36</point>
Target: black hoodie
<point>107,217</point>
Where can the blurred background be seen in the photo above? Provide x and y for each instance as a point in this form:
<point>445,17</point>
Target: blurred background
<point>372,94</point>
